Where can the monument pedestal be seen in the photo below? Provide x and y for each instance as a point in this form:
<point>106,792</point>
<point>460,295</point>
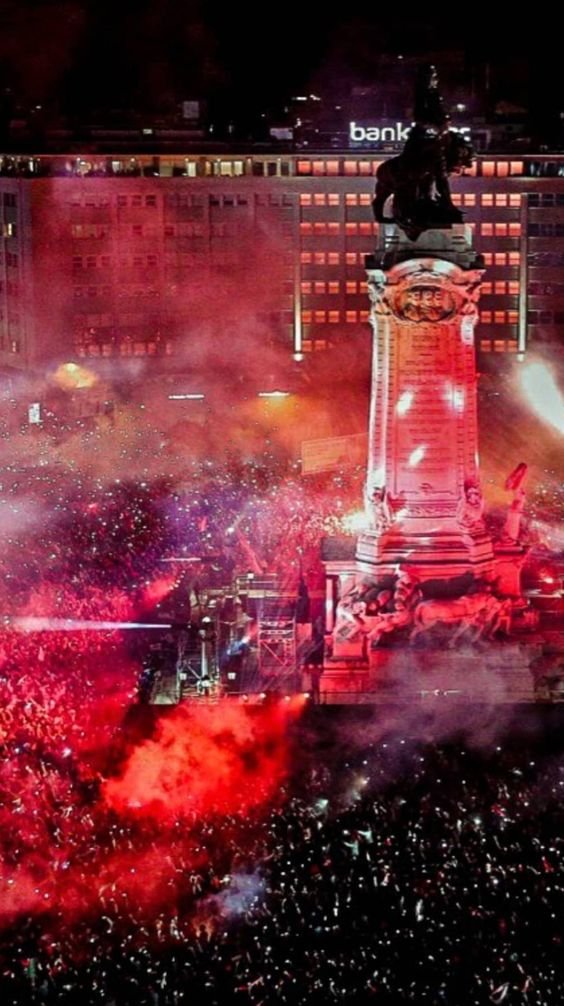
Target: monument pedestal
<point>424,501</point>
<point>424,567</point>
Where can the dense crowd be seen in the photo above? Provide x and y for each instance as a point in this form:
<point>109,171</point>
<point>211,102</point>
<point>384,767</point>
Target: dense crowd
<point>67,523</point>
<point>412,872</point>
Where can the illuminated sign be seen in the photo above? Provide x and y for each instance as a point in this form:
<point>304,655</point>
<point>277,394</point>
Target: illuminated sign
<point>396,133</point>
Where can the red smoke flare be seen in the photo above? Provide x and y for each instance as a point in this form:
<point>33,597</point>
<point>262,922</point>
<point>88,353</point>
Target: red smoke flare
<point>225,757</point>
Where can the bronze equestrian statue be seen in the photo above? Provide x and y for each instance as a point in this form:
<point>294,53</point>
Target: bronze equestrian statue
<point>418,178</point>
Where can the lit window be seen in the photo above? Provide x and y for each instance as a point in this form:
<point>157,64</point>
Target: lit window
<point>487,199</point>
<point>500,258</point>
<point>351,317</point>
<point>470,199</point>
<point>305,258</point>
<point>486,317</point>
<point>334,317</point>
<point>333,199</point>
<point>364,168</point>
<point>306,287</point>
<point>319,287</point>
<point>488,258</point>
<point>333,258</point>
<point>332,167</point>
<point>319,258</point>
<point>320,317</point>
<point>319,199</point>
<point>351,199</point>
<point>514,198</point>
<point>333,288</point>
<point>516,168</point>
<point>305,199</point>
<point>306,227</point>
<point>351,167</point>
<point>488,169</point>
<point>306,317</point>
<point>486,288</point>
<point>333,228</point>
<point>500,287</point>
<point>502,169</point>
<point>319,167</point>
<point>350,258</point>
<point>351,287</point>
<point>487,230</point>
<point>513,317</point>
<point>514,258</point>
<point>515,229</point>
<point>304,167</point>
<point>499,317</point>
<point>513,287</point>
<point>501,199</point>
<point>500,230</point>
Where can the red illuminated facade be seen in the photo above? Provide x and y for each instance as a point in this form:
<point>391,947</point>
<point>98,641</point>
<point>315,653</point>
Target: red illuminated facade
<point>121,257</point>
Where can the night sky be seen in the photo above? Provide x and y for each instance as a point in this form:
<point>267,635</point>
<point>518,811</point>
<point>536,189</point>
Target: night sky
<point>93,56</point>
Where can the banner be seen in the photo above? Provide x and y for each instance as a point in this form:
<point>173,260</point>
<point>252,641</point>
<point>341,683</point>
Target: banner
<point>333,453</point>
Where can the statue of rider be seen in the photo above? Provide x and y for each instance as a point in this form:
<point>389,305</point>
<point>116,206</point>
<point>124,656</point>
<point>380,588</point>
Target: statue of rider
<point>418,177</point>
<point>426,139</point>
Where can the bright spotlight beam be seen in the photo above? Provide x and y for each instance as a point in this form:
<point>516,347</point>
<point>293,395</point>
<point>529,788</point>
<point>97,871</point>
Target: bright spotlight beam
<point>543,394</point>
<point>34,624</point>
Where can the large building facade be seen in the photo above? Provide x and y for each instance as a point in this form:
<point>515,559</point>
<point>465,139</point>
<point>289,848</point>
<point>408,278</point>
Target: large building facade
<point>131,257</point>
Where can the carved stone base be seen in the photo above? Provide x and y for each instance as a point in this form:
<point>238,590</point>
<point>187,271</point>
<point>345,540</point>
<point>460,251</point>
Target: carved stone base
<point>453,244</point>
<point>429,556</point>
<point>497,672</point>
<point>509,561</point>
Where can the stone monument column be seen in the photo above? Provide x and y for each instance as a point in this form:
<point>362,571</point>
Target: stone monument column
<point>423,496</point>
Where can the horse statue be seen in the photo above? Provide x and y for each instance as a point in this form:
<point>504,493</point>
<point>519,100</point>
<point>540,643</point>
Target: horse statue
<point>481,612</point>
<point>417,179</point>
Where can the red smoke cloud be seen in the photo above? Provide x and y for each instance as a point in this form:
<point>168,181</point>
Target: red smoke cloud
<point>225,757</point>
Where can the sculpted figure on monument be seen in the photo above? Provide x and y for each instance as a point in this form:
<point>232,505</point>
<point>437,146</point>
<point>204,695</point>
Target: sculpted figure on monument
<point>514,483</point>
<point>406,595</point>
<point>470,511</point>
<point>481,612</point>
<point>418,178</point>
<point>377,508</point>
